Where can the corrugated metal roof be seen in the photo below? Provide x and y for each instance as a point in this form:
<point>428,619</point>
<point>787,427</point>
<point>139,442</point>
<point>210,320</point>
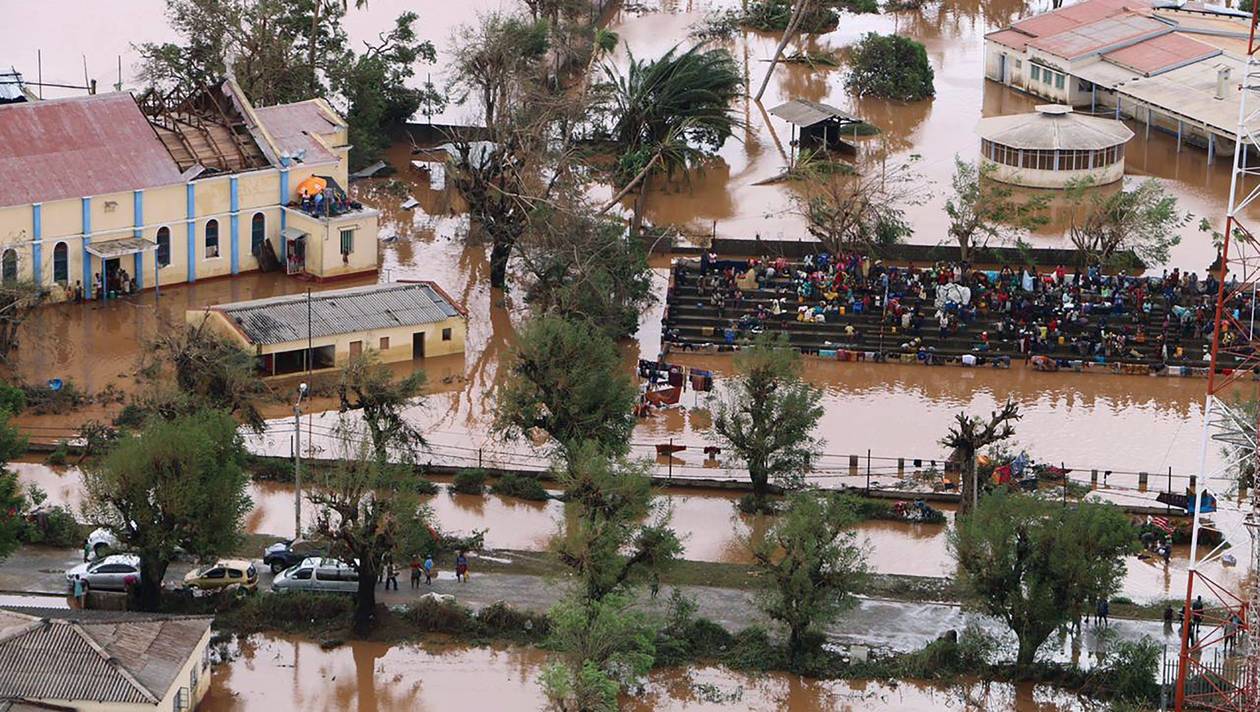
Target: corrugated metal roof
<point>292,126</point>
<point>1081,13</point>
<point>133,660</point>
<point>1101,35</point>
<point>121,247</point>
<point>1010,37</point>
<point>1043,130</point>
<point>279,320</point>
<point>1161,54</point>
<point>70,148</point>
<point>808,113</point>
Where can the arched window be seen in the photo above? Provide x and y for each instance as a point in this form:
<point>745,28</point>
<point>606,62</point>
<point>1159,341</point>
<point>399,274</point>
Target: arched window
<point>163,246</point>
<point>258,233</point>
<point>212,238</point>
<point>61,263</point>
<point>9,275</point>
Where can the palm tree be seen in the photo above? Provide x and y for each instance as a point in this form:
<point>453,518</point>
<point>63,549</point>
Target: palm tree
<point>668,114</point>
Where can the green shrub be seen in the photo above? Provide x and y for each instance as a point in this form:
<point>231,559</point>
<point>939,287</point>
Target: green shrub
<point>60,454</point>
<point>55,526</point>
<point>521,487</point>
<point>288,611</point>
<point>751,649</point>
<point>433,616</point>
<point>773,15</point>
<point>42,400</point>
<point>12,398</point>
<point>499,620</point>
<point>270,469</point>
<point>470,481</point>
<point>424,485</point>
<point>1127,672</point>
<point>890,67</point>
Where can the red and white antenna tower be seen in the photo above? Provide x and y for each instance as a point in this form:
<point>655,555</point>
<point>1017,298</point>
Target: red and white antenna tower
<point>1212,674</point>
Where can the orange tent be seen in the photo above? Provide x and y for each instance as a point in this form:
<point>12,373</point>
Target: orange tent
<point>312,185</point>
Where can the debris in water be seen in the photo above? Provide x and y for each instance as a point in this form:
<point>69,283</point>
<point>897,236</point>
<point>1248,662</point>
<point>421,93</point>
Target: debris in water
<point>410,203</point>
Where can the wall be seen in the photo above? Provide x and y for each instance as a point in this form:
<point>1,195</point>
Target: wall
<point>323,247</point>
<point>1052,179</point>
<point>399,341</point>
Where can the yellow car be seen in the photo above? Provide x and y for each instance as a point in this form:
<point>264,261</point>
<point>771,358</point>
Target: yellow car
<point>223,573</point>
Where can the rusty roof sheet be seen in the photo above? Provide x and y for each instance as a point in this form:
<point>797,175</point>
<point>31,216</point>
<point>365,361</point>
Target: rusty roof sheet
<point>81,146</point>
<point>129,660</point>
<point>1161,54</point>
<point>278,320</point>
<point>1081,13</point>
<point>1101,35</point>
<point>1010,37</point>
<point>294,126</point>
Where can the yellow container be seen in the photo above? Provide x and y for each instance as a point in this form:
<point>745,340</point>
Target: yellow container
<point>841,311</point>
<point>1062,340</point>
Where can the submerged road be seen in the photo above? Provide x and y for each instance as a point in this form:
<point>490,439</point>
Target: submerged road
<point>35,576</point>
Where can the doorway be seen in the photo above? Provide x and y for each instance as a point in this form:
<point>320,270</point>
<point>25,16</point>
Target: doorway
<point>113,285</point>
<point>1002,69</point>
<point>417,345</point>
<point>356,349</point>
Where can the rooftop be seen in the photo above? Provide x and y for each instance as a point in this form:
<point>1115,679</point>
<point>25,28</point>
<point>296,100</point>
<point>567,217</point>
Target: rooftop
<point>1053,126</point>
<point>1081,13</point>
<point>807,113</point>
<point>69,148</point>
<point>126,658</point>
<point>1101,35</point>
<point>1161,54</point>
<point>278,320</point>
<point>296,127</point>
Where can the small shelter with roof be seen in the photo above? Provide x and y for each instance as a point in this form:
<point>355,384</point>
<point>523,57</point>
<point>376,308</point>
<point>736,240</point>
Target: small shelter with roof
<point>401,321</point>
<point>1052,146</point>
<point>820,125</point>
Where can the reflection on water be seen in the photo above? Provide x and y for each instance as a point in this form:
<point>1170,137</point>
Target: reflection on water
<point>274,673</point>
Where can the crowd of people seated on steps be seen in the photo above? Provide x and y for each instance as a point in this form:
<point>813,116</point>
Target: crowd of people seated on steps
<point>1087,314</point>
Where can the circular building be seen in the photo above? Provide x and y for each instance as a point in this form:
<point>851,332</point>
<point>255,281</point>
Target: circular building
<point>1051,146</point>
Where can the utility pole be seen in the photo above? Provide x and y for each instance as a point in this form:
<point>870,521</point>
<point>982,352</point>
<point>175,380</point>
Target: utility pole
<point>297,463</point>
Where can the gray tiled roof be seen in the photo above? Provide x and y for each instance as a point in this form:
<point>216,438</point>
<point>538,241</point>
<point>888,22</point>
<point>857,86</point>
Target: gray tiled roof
<point>133,660</point>
<point>278,320</point>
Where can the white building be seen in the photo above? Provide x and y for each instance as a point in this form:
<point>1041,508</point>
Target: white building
<point>1052,146</point>
<point>1174,67</point>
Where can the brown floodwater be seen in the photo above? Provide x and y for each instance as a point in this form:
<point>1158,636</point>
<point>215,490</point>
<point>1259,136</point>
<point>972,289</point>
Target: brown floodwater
<point>706,520</point>
<point>374,677</point>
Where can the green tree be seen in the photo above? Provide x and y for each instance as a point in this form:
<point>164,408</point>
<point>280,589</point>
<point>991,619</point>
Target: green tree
<point>366,509</point>
<point>583,267</point>
<point>1037,565</point>
<point>667,115</point>
<point>495,58</point>
<point>567,379</point>
<point>813,563</point>
<point>605,646</point>
<point>1143,220</point>
<point>368,386</point>
<point>178,484</point>
<point>12,498</point>
<point>848,211</point>
<point>767,415</point>
<point>968,437</point>
<point>207,372</point>
<point>607,542</point>
<point>890,67</point>
<point>17,302</point>
<point>983,209</point>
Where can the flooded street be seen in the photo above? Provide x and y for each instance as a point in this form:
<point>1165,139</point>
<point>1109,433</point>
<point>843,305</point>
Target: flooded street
<point>279,673</point>
<point>708,523</point>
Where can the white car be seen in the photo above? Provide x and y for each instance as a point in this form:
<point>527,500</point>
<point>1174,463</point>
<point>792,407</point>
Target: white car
<point>101,541</point>
<point>319,575</point>
<point>111,573</point>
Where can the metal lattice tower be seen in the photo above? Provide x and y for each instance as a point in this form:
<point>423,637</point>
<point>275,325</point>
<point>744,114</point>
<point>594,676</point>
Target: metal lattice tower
<point>1219,662</point>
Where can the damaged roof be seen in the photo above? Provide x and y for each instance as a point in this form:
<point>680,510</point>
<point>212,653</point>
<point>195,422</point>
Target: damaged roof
<point>80,146</point>
<point>295,128</point>
<point>130,658</point>
<point>808,113</point>
<point>278,320</point>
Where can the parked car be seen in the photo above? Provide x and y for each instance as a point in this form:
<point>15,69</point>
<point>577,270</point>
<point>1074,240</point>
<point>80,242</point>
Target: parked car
<point>111,573</point>
<point>318,575</point>
<point>283,554</point>
<point>100,542</point>
<point>222,574</point>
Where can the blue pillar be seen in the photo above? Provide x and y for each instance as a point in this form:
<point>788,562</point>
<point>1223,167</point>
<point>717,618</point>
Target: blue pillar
<point>37,246</point>
<point>137,211</point>
<point>192,233</point>
<point>284,200</point>
<point>88,292</point>
<point>236,226</point>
